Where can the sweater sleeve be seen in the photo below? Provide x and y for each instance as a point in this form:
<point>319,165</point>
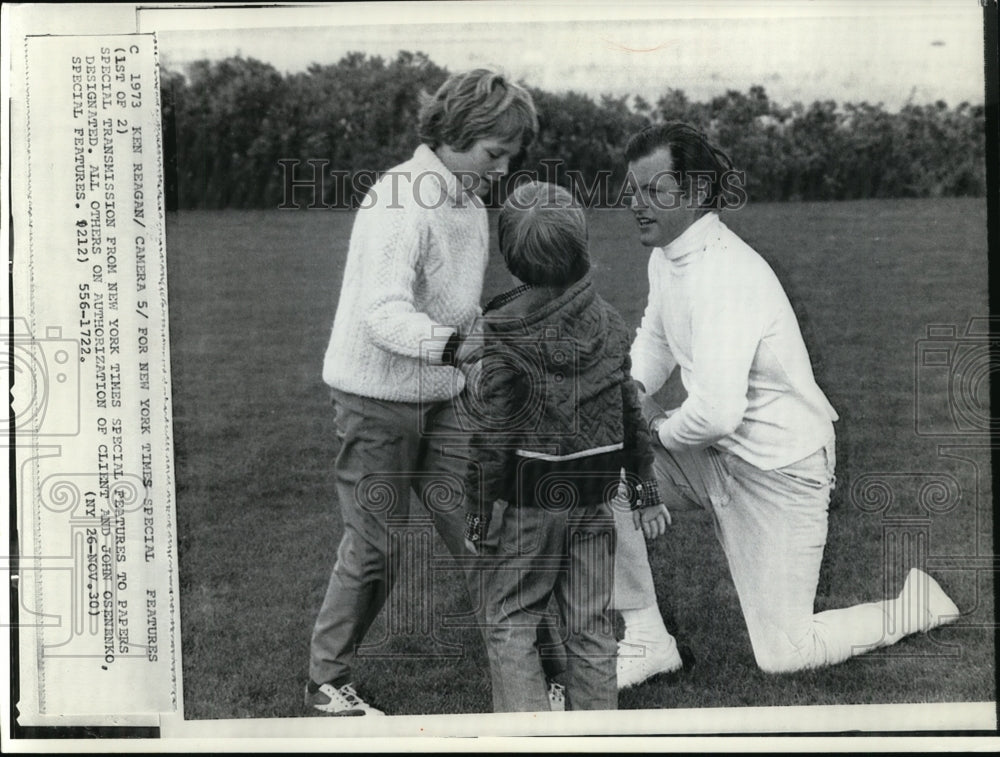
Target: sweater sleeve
<point>652,360</point>
<point>638,453</point>
<point>726,331</point>
<point>397,239</point>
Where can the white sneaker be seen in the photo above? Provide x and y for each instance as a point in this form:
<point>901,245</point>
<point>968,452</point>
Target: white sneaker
<point>640,660</point>
<point>926,597</point>
<point>557,697</point>
<point>343,701</point>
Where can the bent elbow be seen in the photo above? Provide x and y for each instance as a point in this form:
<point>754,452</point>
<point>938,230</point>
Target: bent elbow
<point>725,421</point>
<point>702,423</point>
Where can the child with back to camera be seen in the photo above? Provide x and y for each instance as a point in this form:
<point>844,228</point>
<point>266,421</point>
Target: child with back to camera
<point>558,420</point>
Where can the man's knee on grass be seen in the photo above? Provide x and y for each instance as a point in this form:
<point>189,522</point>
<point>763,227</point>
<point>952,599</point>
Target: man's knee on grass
<point>780,655</point>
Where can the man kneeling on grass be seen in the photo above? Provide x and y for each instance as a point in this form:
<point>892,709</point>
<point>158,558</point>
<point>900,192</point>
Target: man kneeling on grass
<point>753,442</point>
<point>558,420</point>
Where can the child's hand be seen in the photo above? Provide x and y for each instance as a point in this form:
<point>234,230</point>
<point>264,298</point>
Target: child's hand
<point>652,520</point>
<point>471,546</point>
<point>472,372</point>
<point>468,351</point>
<point>470,348</point>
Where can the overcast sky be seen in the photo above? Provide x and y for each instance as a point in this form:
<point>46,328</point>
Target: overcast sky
<point>889,52</point>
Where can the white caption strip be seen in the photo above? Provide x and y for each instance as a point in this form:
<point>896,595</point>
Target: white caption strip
<point>98,592</point>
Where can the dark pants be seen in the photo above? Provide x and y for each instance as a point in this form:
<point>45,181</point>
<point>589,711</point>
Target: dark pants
<point>388,450</point>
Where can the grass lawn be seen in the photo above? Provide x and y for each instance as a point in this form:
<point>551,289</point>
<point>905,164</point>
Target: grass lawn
<point>252,297</point>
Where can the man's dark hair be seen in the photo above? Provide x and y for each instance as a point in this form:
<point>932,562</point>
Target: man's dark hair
<point>690,152</point>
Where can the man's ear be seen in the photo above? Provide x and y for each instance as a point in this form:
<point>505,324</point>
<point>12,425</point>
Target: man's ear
<point>698,190</point>
<point>703,193</point>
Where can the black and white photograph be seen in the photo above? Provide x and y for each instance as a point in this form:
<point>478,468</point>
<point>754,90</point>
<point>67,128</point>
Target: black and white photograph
<point>528,359</point>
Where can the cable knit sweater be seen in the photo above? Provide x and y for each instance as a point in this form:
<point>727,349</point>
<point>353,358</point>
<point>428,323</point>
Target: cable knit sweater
<point>717,310</point>
<point>414,276</point>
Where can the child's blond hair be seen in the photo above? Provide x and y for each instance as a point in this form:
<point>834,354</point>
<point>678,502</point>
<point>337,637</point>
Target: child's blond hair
<point>542,231</point>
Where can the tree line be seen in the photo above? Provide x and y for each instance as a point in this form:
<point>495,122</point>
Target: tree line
<point>236,130</point>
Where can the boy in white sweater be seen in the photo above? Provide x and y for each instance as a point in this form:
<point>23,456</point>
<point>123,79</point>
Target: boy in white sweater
<point>412,287</point>
<point>753,442</point>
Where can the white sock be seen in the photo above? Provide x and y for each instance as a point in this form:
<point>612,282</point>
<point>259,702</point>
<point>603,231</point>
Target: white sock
<point>646,623</point>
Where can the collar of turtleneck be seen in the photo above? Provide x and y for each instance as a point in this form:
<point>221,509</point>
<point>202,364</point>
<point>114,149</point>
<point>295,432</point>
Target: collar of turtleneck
<point>683,249</point>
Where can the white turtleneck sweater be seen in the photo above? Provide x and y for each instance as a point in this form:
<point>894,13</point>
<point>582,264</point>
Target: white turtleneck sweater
<point>414,276</point>
<point>717,310</point>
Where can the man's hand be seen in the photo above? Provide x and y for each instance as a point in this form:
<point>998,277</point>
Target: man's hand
<point>656,417</point>
<point>652,520</point>
<point>649,407</point>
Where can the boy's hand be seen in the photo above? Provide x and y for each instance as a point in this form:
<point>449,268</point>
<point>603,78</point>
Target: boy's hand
<point>649,513</point>
<point>652,520</point>
<point>472,371</point>
<point>471,346</point>
<point>471,546</point>
<point>469,351</point>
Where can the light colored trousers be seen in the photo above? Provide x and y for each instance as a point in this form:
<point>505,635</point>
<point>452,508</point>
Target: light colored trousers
<point>772,526</point>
